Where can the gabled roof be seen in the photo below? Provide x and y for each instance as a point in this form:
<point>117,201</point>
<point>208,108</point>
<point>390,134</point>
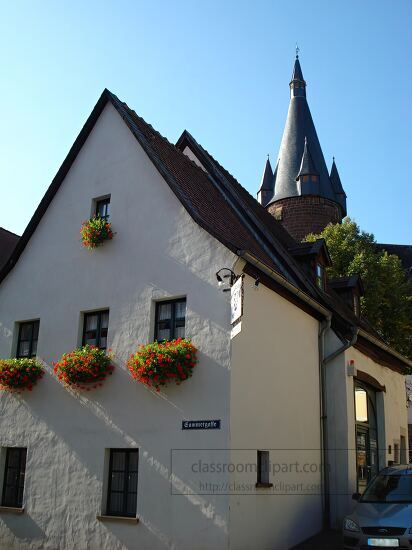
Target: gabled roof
<point>212,197</point>
<point>314,248</point>
<point>353,281</point>
<point>8,241</point>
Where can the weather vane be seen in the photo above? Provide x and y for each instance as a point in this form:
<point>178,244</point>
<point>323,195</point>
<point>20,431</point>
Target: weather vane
<point>297,50</point>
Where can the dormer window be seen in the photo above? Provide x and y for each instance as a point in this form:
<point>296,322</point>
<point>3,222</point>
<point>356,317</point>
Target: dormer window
<point>103,208</point>
<point>320,276</point>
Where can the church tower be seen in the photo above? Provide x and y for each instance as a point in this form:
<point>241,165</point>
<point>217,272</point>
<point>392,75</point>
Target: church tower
<point>302,194</point>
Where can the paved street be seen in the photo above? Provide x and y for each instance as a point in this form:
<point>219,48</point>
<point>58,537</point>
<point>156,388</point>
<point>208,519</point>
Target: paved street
<point>327,540</point>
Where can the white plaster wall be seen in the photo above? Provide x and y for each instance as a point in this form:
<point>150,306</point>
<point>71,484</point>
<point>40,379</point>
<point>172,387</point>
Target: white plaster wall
<point>391,416</point>
<point>157,251</point>
<point>274,406</point>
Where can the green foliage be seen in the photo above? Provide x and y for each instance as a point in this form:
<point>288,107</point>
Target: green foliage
<point>387,303</point>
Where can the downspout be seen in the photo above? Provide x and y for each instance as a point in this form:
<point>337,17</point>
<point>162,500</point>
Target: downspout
<point>323,328</point>
<point>323,361</point>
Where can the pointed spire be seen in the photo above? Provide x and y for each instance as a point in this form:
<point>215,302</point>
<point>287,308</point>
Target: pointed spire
<point>267,177</point>
<point>267,184</point>
<point>297,84</point>
<point>337,186</point>
<point>307,166</point>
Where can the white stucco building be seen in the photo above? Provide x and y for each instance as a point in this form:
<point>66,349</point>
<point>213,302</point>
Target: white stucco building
<point>280,383</point>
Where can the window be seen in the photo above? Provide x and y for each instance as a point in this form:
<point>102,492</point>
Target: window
<point>170,319</point>
<point>95,327</point>
<point>263,468</point>
<point>122,489</point>
<point>320,276</point>
<point>361,405</point>
<point>14,477</point>
<point>27,341</point>
<point>103,208</point>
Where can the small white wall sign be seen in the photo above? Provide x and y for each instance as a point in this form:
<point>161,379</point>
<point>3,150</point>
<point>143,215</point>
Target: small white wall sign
<point>236,300</point>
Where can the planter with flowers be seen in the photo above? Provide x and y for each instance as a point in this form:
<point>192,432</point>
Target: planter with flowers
<point>84,368</point>
<point>19,374</point>
<point>160,363</point>
<point>95,231</point>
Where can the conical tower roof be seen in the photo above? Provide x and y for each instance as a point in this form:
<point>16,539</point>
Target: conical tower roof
<point>299,126</point>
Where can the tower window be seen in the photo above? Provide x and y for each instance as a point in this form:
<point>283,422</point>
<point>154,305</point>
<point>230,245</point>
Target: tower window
<point>314,178</point>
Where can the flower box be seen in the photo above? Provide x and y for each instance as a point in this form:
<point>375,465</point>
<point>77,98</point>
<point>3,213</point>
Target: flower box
<point>84,368</point>
<point>95,231</point>
<point>160,363</point>
<point>19,374</point>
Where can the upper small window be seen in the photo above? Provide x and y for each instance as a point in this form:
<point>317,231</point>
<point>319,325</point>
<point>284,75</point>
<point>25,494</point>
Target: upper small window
<point>14,472</point>
<point>95,328</point>
<point>170,319</point>
<point>27,341</point>
<point>320,276</point>
<point>103,208</point>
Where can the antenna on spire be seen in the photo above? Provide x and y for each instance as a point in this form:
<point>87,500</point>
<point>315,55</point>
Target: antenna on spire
<point>268,156</point>
<point>297,51</point>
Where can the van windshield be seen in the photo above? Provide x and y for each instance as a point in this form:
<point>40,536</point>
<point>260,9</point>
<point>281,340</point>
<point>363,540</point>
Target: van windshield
<point>389,488</point>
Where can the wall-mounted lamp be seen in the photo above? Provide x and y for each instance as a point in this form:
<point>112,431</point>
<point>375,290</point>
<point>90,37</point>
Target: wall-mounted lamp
<point>226,277</point>
<point>256,283</point>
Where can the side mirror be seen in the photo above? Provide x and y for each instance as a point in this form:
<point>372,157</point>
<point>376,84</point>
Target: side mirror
<point>356,496</point>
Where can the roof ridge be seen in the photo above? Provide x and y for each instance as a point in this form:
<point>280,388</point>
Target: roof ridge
<point>157,133</point>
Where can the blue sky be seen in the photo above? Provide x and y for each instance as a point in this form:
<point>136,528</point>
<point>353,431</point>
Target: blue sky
<point>219,68</point>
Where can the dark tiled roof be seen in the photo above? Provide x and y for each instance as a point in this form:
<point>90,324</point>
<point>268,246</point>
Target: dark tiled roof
<point>346,282</point>
<point>8,241</point>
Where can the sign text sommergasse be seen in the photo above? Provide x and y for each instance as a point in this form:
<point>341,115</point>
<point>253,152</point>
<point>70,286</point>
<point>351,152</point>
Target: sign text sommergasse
<point>200,424</point>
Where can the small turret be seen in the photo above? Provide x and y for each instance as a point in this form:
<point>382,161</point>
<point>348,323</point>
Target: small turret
<point>337,187</point>
<point>308,177</point>
<point>267,185</point>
